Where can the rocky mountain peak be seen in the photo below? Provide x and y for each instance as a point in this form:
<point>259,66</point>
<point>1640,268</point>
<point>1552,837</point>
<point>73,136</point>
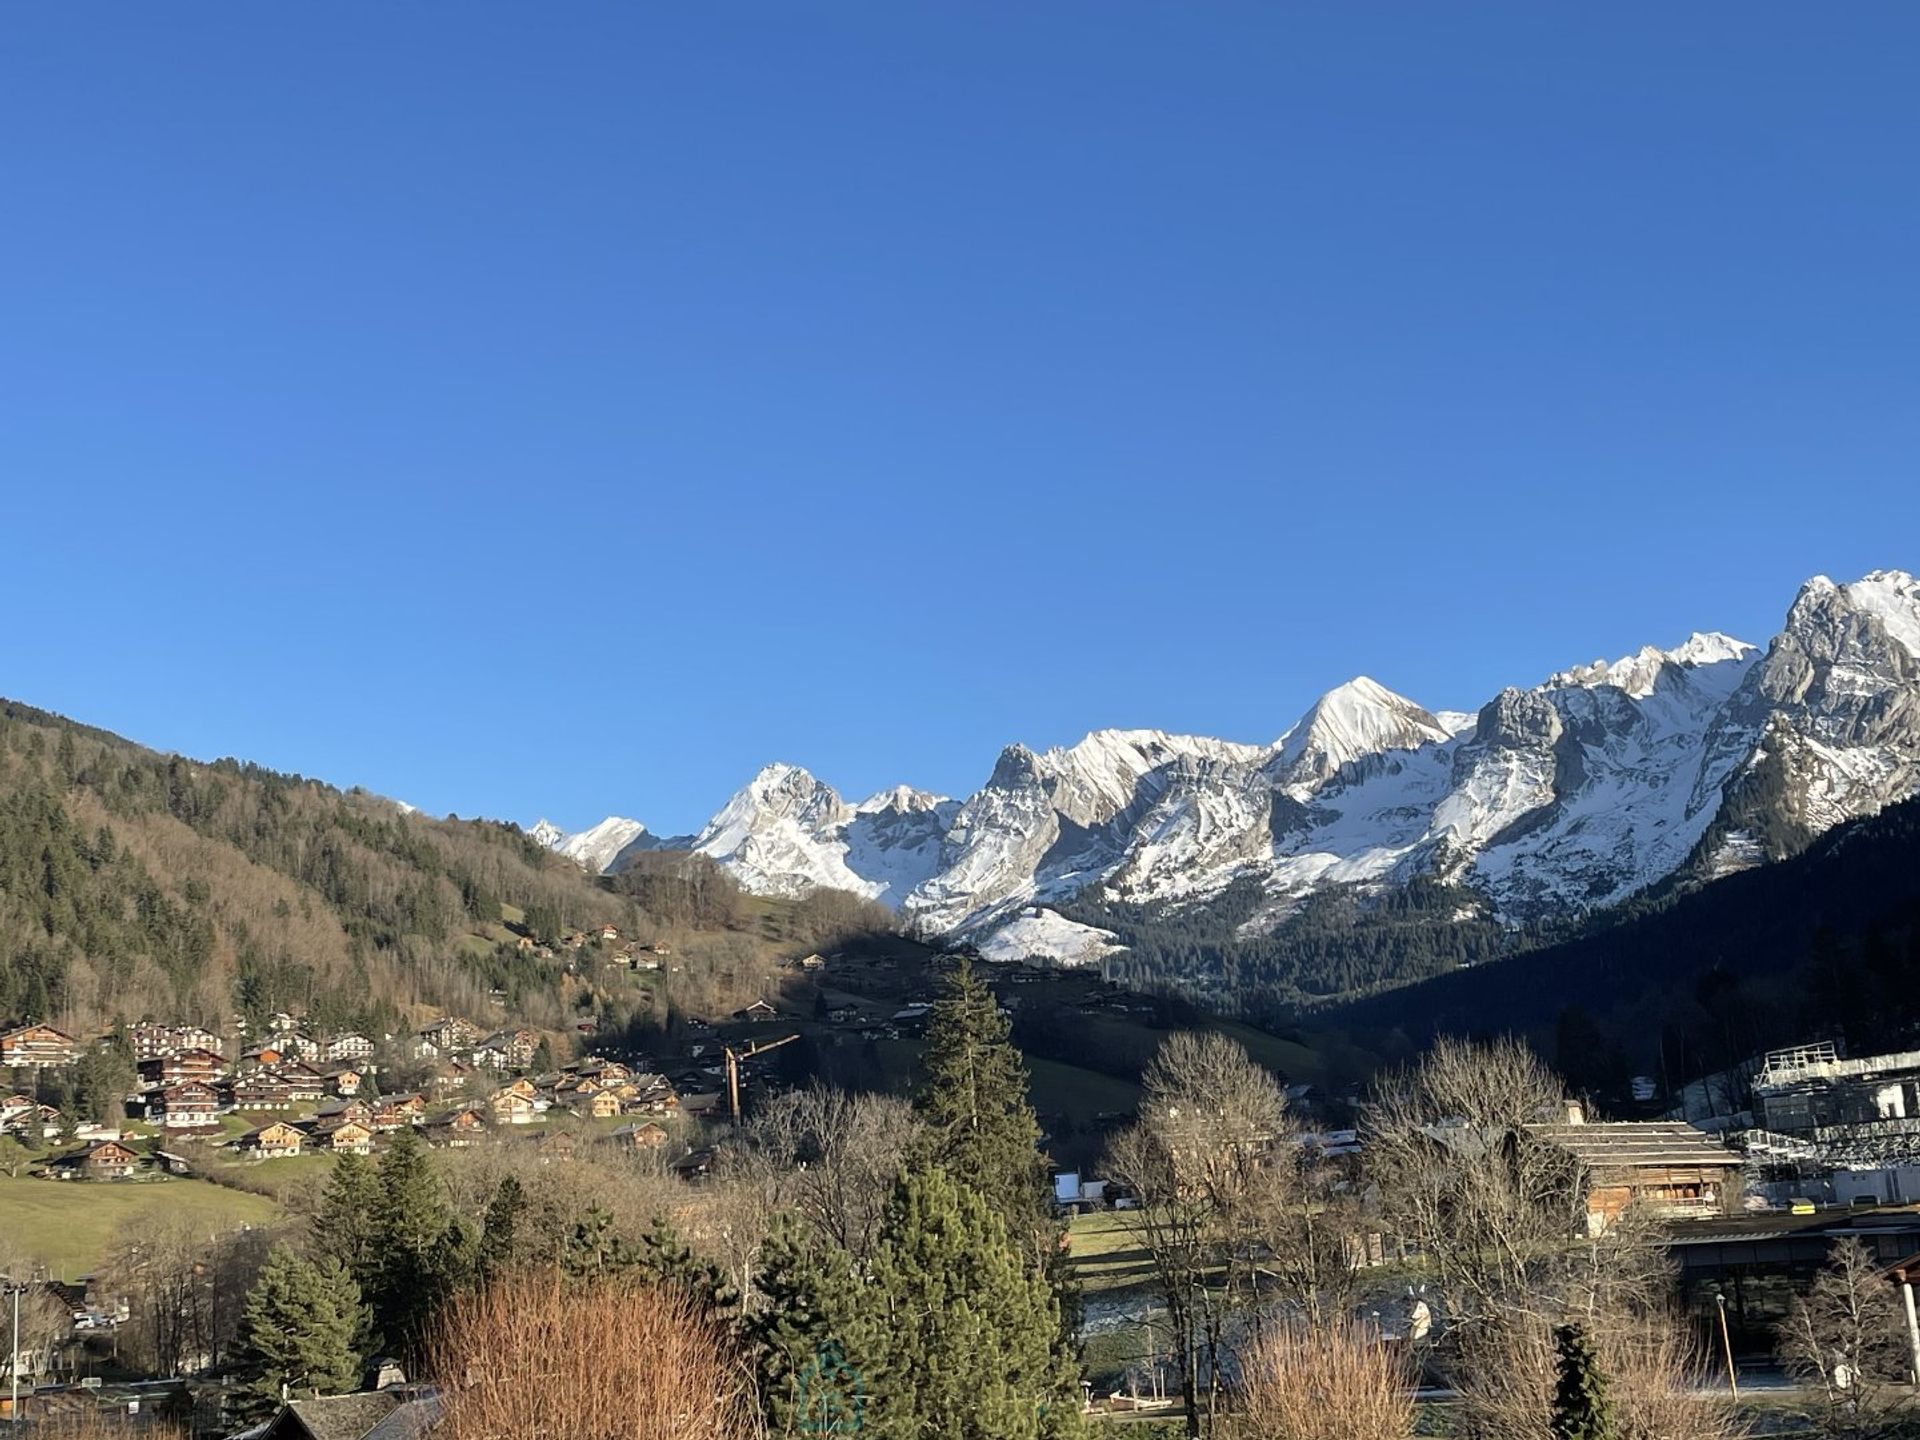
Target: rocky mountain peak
<point>1349,723</point>
<point>1548,802</point>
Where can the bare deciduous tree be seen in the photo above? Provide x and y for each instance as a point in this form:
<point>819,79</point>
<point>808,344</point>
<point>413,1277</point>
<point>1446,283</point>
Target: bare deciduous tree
<point>44,1321</point>
<point>1202,1161</point>
<point>1847,1335</point>
<point>1498,1215</point>
<point>835,1156</point>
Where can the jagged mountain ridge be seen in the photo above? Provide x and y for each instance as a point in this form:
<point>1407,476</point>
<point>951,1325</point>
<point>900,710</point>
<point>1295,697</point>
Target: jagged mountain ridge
<point>1550,801</point>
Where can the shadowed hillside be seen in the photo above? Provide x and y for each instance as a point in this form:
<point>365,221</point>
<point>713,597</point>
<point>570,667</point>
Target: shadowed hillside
<point>1826,943</point>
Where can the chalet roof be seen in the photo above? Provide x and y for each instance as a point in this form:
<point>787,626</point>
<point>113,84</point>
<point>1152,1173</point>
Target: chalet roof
<point>397,1414</point>
<point>1629,1144</point>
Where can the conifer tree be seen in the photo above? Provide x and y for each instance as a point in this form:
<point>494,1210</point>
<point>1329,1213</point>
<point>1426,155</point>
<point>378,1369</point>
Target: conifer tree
<point>666,1259</point>
<point>817,1345</point>
<point>422,1251</point>
<point>979,1125</point>
<point>980,1128</point>
<point>1581,1409</point>
<point>970,1331</point>
<point>305,1331</point>
<point>348,1225</point>
<point>595,1248</point>
<point>497,1234</point>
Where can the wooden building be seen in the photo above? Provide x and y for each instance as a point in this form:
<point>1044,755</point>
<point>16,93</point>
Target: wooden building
<point>1667,1166</point>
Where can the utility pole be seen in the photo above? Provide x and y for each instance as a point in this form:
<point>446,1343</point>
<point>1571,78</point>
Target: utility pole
<point>746,1052</point>
<point>1905,1277</point>
<point>16,1290</point>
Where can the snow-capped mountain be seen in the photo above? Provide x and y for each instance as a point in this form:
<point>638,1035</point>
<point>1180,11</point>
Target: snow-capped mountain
<point>1566,796</point>
<point>600,848</point>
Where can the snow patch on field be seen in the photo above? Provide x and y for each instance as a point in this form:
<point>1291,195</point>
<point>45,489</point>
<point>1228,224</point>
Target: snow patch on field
<point>1047,935</point>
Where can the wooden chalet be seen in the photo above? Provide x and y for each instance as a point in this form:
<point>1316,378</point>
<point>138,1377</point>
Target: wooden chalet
<point>262,1090</point>
<point>456,1129</point>
<point>179,1067</point>
<point>274,1141</point>
<point>37,1047</point>
<point>349,1137</point>
<point>600,1105</point>
<point>191,1106</point>
<point>511,1107</point>
<point>401,1412</point>
<point>647,1135</point>
<point>102,1160</point>
<point>1667,1166</point>
<point>347,1047</point>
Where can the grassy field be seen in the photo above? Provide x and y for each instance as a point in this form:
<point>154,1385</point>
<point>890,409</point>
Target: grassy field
<point>68,1225</point>
<point>1106,1254</point>
<point>1057,1088</point>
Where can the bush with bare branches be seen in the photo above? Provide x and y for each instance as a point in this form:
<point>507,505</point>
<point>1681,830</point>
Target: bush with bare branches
<point>532,1355</point>
<point>1334,1381</point>
<point>1658,1386</point>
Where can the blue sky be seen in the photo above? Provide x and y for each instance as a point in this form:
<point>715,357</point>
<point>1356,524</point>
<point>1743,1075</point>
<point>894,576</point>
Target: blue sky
<point>562,409</point>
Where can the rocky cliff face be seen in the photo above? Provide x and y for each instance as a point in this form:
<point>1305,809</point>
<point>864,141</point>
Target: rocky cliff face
<point>1552,800</point>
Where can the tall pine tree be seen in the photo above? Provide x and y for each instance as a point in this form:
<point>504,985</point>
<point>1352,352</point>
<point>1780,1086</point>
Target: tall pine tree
<point>979,1126</point>
<point>348,1225</point>
<point>498,1230</point>
<point>970,1330</point>
<point>305,1332</point>
<point>978,1123</point>
<point>423,1251</point>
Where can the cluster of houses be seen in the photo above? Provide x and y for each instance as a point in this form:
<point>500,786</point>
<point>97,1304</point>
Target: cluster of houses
<point>320,1094</point>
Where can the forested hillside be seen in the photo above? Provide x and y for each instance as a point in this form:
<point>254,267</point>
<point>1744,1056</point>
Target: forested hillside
<point>1823,945</point>
<point>134,883</point>
<point>1341,942</point>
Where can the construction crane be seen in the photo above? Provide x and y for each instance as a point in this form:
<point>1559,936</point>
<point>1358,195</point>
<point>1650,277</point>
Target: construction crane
<point>747,1052</point>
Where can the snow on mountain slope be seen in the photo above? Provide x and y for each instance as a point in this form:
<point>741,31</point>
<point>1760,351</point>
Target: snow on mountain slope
<point>606,846</point>
<point>1351,722</point>
<point>1552,800</point>
<point>597,848</point>
<point>787,832</point>
<point>1834,707</point>
<point>1637,674</point>
<point>1047,935</point>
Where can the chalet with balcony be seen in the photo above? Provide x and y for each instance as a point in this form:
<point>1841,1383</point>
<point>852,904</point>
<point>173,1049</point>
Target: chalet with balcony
<point>37,1047</point>
<point>456,1129</point>
<point>102,1160</point>
<point>347,1047</point>
<point>348,1137</point>
<point>180,1067</point>
<point>262,1090</point>
<point>190,1106</point>
<point>1666,1166</point>
<point>274,1141</point>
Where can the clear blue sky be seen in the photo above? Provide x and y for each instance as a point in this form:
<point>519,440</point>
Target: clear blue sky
<point>567,408</point>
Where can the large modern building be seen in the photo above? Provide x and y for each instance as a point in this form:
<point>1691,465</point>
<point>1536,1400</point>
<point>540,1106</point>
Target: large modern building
<point>1811,1087</point>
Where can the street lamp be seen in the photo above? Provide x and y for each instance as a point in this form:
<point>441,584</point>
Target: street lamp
<point>1726,1340</point>
<point>16,1290</point>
